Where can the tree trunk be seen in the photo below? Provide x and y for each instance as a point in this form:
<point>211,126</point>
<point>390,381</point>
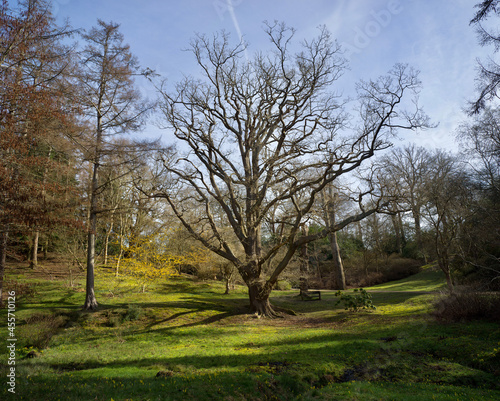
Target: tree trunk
<point>443,244</point>
<point>228,275</point>
<point>449,280</point>
<point>445,267</point>
<point>3,258</point>
<point>34,250</point>
<point>90,300</point>
<point>403,235</point>
<point>108,234</point>
<point>105,250</point>
<point>418,235</point>
<point>338,267</point>
<point>330,218</point>
<point>397,232</point>
<point>258,293</point>
<point>120,251</point>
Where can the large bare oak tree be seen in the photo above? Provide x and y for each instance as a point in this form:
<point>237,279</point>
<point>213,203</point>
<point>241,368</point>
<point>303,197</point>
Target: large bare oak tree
<point>269,134</point>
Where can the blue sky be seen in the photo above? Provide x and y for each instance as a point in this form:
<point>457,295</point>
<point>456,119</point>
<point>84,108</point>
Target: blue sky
<point>433,36</point>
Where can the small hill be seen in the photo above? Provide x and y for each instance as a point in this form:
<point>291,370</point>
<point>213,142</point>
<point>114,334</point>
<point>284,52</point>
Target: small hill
<point>428,280</point>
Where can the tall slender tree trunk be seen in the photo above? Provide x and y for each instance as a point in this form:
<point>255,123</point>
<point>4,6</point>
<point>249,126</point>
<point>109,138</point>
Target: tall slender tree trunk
<point>330,218</point>
<point>34,250</point>
<point>397,233</point>
<point>120,251</point>
<point>106,244</point>
<point>443,243</point>
<point>304,255</point>
<point>444,264</point>
<point>403,235</point>
<point>108,234</point>
<point>338,266</point>
<point>418,235</point>
<point>36,234</point>
<point>90,299</point>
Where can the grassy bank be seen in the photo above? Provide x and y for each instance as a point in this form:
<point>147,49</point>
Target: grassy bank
<point>184,340</point>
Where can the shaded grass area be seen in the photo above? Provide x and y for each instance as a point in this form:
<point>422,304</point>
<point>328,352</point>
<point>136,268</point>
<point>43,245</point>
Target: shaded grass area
<point>185,340</point>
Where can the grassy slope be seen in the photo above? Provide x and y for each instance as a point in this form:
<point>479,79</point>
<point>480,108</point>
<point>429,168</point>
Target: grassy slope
<point>208,348</point>
<point>429,279</point>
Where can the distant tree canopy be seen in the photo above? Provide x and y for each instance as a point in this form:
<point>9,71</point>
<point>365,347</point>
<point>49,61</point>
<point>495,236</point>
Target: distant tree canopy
<point>488,79</point>
<point>36,169</point>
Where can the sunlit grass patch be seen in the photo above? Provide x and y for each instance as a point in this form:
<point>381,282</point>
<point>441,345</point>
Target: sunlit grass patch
<point>429,279</point>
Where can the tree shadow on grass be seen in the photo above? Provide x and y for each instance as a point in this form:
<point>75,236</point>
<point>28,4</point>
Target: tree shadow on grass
<point>186,285</point>
<point>251,386</point>
<point>309,353</point>
<point>197,309</point>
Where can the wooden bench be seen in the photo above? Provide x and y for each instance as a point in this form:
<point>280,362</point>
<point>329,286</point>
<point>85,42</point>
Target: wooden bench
<point>307,295</point>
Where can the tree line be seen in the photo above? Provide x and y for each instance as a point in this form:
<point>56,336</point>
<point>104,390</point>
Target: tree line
<point>269,171</point>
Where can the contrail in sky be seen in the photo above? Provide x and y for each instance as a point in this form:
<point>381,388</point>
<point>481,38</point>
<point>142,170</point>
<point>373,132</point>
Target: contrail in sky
<point>236,24</point>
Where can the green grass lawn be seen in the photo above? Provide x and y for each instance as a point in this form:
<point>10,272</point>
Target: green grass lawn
<point>429,279</point>
<point>184,340</point>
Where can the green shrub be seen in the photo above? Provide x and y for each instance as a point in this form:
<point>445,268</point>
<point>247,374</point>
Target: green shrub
<point>360,300</point>
<point>133,312</point>
<point>283,285</point>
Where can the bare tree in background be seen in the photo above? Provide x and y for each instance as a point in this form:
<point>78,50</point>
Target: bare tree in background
<point>488,79</point>
<point>264,133</point>
<point>449,202</point>
<point>408,169</point>
<point>481,238</point>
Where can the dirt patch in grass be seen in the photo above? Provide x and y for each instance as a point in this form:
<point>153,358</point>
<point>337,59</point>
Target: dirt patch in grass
<point>363,372</point>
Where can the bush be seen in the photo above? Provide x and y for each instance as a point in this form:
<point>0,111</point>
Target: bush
<point>360,300</point>
<point>40,328</point>
<point>133,312</point>
<point>466,305</point>
<point>283,285</point>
